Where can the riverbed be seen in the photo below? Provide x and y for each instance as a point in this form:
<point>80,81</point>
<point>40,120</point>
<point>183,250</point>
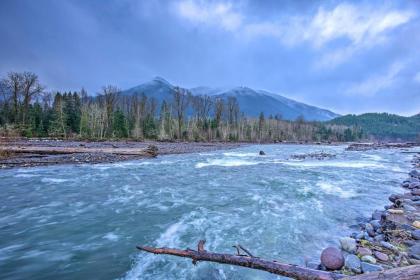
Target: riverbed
<point>84,221</point>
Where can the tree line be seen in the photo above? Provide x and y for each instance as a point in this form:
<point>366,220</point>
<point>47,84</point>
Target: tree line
<point>27,109</point>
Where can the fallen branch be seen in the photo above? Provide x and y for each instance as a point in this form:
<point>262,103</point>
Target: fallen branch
<point>288,270</point>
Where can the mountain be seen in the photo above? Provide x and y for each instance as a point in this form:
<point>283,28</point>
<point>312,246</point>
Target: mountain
<point>384,126</point>
<point>251,102</point>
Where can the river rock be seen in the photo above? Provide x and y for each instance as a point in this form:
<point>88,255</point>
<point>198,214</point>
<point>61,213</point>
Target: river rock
<point>416,224</point>
<point>332,258</point>
<point>352,262</point>
<point>262,153</point>
<point>362,251</point>
<point>367,267</point>
<point>376,224</point>
<point>388,246</point>
<point>393,197</point>
<point>414,251</point>
<point>415,192</point>
<point>369,229</point>
<point>416,234</point>
<point>369,259</point>
<point>379,238</point>
<point>377,215</point>
<point>348,244</point>
<point>381,256</point>
<point>414,174</point>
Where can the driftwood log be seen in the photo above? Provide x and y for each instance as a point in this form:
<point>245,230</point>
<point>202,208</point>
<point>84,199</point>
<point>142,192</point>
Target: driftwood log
<point>288,270</point>
<point>246,260</point>
<point>150,151</point>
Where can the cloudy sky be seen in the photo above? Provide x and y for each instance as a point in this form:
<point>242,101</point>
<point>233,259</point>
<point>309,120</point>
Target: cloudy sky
<point>350,57</point>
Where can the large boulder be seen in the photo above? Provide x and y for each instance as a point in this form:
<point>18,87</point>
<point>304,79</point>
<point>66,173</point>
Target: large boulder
<point>332,258</point>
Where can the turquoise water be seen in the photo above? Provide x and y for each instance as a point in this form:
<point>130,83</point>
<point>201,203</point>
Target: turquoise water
<point>84,221</point>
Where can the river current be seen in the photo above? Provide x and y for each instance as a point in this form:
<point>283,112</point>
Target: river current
<point>84,221</point>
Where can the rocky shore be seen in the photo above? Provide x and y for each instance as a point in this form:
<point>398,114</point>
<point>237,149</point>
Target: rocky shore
<point>375,146</point>
<point>391,238</point>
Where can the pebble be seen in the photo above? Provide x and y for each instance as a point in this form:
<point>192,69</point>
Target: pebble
<point>416,224</point>
<point>362,251</point>
<point>381,256</point>
<point>332,258</point>
<point>367,267</point>
<point>415,192</point>
<point>352,262</point>
<point>379,238</point>
<point>369,259</point>
<point>377,215</point>
<point>348,244</point>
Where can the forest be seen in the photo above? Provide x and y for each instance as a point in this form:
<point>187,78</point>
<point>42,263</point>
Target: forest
<point>28,109</point>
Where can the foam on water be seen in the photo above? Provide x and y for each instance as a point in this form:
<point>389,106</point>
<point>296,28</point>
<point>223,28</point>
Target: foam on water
<point>111,236</point>
<point>54,180</point>
<point>334,189</point>
<point>226,163</point>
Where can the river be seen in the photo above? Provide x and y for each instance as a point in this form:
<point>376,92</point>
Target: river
<point>84,221</point>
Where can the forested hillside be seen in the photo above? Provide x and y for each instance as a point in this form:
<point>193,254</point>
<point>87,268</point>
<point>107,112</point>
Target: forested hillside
<point>384,126</point>
<point>28,109</point>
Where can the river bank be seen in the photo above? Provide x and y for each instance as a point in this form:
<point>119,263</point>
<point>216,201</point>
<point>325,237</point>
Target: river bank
<point>390,239</point>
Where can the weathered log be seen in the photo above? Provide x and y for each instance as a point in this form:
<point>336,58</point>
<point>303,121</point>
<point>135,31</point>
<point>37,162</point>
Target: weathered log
<point>401,273</point>
<point>288,270</point>
<point>150,151</point>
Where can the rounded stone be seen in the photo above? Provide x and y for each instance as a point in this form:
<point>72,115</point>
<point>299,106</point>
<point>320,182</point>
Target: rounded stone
<point>381,256</point>
<point>362,251</point>
<point>367,267</point>
<point>332,258</point>
<point>416,224</point>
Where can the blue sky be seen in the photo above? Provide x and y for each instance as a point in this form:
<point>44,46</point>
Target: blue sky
<point>349,57</point>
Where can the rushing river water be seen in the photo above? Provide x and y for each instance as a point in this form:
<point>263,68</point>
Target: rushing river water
<point>83,221</point>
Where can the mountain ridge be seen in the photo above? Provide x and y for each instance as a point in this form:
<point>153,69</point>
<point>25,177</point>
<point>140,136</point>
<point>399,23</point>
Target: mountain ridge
<point>251,102</point>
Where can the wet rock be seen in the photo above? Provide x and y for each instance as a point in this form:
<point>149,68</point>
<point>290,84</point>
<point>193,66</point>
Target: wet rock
<point>416,234</point>
<point>414,251</point>
<point>394,197</point>
<point>262,153</point>
<point>348,244</point>
<point>416,224</point>
<point>362,251</point>
<point>367,267</point>
<point>381,256</point>
<point>377,215</point>
<point>379,238</point>
<point>369,259</point>
<point>352,263</point>
<point>376,224</point>
<point>409,243</point>
<point>369,229</point>
<point>332,258</point>
<point>414,174</point>
<point>415,192</point>
<point>360,235</point>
